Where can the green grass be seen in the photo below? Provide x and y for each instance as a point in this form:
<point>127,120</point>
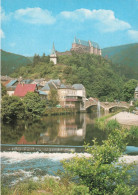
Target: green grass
<point>49,186</point>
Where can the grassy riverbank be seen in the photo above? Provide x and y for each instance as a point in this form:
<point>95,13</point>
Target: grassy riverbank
<point>106,123</point>
<point>49,186</point>
<point>102,121</point>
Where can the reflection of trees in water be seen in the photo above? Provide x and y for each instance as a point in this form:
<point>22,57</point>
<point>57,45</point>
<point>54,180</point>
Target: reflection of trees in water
<point>49,130</point>
<point>53,127</point>
<point>11,132</point>
<point>92,132</point>
<point>33,130</point>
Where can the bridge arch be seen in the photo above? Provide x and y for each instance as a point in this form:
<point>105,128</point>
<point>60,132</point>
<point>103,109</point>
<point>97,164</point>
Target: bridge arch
<point>87,107</point>
<point>117,106</point>
<point>107,106</point>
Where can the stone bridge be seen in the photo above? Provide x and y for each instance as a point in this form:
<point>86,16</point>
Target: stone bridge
<point>106,105</point>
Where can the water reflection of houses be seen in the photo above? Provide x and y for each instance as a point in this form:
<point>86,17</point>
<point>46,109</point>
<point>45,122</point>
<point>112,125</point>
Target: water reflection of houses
<point>23,141</point>
<point>71,130</point>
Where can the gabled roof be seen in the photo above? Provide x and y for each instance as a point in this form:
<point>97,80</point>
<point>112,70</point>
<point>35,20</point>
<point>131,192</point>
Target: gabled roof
<point>56,82</point>
<point>45,88</point>
<point>12,82</point>
<point>27,81</point>
<point>78,86</point>
<point>22,89</point>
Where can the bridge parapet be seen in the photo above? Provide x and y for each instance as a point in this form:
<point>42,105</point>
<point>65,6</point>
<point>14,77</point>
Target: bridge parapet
<point>106,105</point>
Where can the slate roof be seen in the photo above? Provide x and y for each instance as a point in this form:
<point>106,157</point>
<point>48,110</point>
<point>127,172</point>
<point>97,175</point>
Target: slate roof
<point>27,81</point>
<point>78,86</point>
<point>62,86</point>
<point>56,82</point>
<point>12,82</point>
<point>45,88</point>
<point>22,89</point>
<point>42,92</point>
<point>86,43</point>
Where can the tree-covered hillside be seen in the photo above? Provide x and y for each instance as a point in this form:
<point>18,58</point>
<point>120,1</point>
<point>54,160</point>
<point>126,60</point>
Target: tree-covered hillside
<point>94,72</point>
<point>10,62</point>
<point>124,59</point>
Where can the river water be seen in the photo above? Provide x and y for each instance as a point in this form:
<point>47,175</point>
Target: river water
<point>70,131</point>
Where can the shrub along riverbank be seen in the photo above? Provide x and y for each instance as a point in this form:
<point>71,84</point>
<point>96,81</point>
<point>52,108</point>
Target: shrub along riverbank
<point>30,107</point>
<point>107,125</point>
<point>97,175</point>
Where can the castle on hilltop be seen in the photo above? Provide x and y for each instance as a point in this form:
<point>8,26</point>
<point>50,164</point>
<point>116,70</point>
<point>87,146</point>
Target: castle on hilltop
<point>78,46</point>
<point>85,47</point>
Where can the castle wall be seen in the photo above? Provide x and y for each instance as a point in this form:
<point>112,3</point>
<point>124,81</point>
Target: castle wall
<point>85,49</point>
<point>95,51</point>
<point>80,48</point>
<point>91,50</point>
<point>63,53</point>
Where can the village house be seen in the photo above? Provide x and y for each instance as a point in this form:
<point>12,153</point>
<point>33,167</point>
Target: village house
<point>22,89</point>
<point>40,82</point>
<point>136,93</point>
<point>11,86</point>
<point>69,96</point>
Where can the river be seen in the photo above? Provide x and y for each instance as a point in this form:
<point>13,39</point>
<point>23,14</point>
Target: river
<point>34,149</point>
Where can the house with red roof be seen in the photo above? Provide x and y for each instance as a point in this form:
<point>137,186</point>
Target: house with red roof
<point>22,89</point>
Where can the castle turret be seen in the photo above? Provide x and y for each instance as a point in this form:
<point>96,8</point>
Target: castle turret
<point>53,55</point>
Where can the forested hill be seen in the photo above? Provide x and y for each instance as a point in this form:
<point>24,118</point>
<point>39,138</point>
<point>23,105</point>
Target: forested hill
<point>10,62</point>
<point>123,54</point>
<point>124,58</point>
<point>94,72</point>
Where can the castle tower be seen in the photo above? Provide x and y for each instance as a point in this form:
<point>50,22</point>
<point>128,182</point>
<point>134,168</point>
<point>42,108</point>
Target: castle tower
<point>91,47</point>
<point>53,55</point>
<point>74,44</point>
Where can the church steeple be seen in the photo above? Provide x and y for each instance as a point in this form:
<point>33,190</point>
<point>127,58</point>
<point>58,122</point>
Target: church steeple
<point>53,49</point>
<point>53,55</point>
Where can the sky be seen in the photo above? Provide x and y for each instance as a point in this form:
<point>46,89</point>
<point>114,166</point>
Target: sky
<point>30,27</point>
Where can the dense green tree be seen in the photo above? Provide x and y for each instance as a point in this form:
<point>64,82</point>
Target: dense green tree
<point>34,106</point>
<point>12,108</point>
<point>53,98</point>
<point>3,90</point>
<point>136,103</point>
<point>36,59</point>
<point>128,89</point>
<point>94,72</point>
<point>100,172</point>
<point>44,58</point>
<point>67,70</point>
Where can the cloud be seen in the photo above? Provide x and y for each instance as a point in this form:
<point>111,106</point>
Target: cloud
<point>13,44</point>
<point>133,34</point>
<point>2,35</point>
<point>107,22</point>
<point>4,17</point>
<point>34,16</point>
